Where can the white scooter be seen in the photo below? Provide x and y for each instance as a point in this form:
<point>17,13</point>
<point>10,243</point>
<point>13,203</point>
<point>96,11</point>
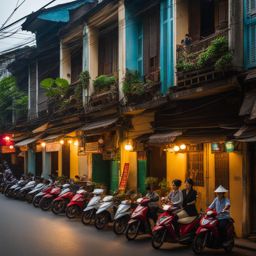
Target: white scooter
<point>30,195</point>
<point>122,217</point>
<point>23,191</point>
<point>106,212</point>
<point>93,205</point>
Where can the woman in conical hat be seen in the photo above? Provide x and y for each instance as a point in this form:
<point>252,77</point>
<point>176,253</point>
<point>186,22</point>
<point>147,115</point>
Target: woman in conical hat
<point>221,205</point>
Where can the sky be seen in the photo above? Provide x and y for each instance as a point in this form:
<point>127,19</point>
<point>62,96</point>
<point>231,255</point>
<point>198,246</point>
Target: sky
<point>21,37</point>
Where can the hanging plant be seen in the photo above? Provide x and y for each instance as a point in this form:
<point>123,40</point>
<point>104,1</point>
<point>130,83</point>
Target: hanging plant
<point>84,81</point>
<point>103,82</point>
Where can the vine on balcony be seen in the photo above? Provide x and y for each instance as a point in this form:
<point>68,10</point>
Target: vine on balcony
<point>216,55</point>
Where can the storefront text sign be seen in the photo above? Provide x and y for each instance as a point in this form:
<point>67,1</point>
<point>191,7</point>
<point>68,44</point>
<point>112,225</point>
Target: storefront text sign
<point>124,178</point>
<point>52,147</point>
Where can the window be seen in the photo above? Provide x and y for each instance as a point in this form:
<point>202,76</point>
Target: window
<point>195,167</point>
<point>222,169</point>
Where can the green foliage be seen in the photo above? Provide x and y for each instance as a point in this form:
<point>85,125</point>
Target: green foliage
<point>151,181</point>
<point>224,62</point>
<point>103,82</point>
<point>217,54</point>
<point>84,81</point>
<point>11,98</point>
<point>132,84</point>
<point>55,88</point>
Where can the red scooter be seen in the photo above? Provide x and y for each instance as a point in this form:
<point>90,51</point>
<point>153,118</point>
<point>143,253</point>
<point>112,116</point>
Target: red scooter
<point>77,203</point>
<point>60,203</point>
<point>169,228</point>
<point>38,197</point>
<point>46,200</point>
<point>208,234</point>
<point>139,221</point>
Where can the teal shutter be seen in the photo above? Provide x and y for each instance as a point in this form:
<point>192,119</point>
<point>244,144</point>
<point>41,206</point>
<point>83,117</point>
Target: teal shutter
<point>142,174</point>
<point>114,176</point>
<point>166,45</point>
<point>250,33</point>
<point>140,49</point>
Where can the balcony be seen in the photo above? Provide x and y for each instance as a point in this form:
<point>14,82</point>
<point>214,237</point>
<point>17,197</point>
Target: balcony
<point>204,61</point>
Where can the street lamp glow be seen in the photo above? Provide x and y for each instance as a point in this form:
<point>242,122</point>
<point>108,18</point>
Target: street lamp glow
<point>176,148</point>
<point>183,146</point>
<point>69,141</point>
<point>7,138</point>
<point>11,147</point>
<point>62,142</point>
<point>76,143</point>
<point>128,147</point>
<point>43,144</point>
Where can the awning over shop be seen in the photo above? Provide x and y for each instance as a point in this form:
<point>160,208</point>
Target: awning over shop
<point>63,129</point>
<point>20,137</point>
<point>249,105</point>
<point>246,134</point>
<point>28,141</point>
<point>51,138</point>
<point>164,138</point>
<point>103,124</point>
<point>41,128</point>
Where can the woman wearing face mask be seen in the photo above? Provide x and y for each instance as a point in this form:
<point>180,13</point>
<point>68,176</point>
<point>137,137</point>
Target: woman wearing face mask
<point>189,198</point>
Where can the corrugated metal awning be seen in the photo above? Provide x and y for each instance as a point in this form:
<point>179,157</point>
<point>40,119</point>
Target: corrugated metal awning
<point>99,125</point>
<point>41,128</point>
<point>249,105</point>
<point>52,137</point>
<point>28,141</point>
<point>164,138</point>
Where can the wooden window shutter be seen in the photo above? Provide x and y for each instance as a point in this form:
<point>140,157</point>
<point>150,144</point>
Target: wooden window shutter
<point>194,19</point>
<point>221,14</point>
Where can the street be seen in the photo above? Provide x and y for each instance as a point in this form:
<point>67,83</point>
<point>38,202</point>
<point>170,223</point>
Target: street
<point>28,231</point>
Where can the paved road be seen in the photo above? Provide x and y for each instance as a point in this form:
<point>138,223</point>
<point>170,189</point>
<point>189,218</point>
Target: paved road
<point>26,231</point>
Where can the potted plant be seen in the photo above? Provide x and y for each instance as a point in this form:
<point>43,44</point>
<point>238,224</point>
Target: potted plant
<point>104,83</point>
<point>84,81</point>
<point>133,86</point>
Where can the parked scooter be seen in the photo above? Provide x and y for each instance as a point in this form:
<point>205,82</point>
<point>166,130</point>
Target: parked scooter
<point>77,203</point>
<point>60,203</point>
<point>173,229</point>
<point>89,212</point>
<point>208,234</point>
<point>46,200</point>
<point>139,222</point>
<point>11,191</point>
<point>38,196</point>
<point>106,211</point>
<point>21,194</point>
<point>30,195</point>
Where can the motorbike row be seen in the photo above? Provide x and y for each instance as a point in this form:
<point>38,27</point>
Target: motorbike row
<point>128,215</point>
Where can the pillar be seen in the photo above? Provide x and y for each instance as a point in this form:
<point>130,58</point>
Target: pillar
<point>31,161</point>
<point>46,164</point>
<point>65,62</point>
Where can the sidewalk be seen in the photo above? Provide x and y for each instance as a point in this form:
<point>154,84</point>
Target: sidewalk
<point>245,244</point>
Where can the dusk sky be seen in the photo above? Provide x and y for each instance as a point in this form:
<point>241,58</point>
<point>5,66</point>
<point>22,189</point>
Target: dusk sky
<point>21,37</point>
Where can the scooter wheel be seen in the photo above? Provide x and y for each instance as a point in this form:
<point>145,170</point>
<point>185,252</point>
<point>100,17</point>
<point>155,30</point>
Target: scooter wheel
<point>72,211</point>
<point>199,243</point>
<point>29,198</point>
<point>87,217</point>
<point>36,201</point>
<point>229,248</point>
<point>45,204</point>
<point>101,221</point>
<point>58,207</point>
<point>158,239</point>
<point>132,230</point>
<point>120,225</point>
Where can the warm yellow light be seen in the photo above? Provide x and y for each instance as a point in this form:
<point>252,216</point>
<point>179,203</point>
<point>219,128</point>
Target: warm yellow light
<point>43,144</point>
<point>176,148</point>
<point>7,138</point>
<point>70,141</point>
<point>11,147</point>
<point>128,147</point>
<point>183,146</point>
<point>62,142</point>
<point>76,143</point>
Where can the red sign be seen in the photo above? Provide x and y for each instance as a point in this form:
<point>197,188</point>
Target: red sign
<point>124,178</point>
<point>6,140</point>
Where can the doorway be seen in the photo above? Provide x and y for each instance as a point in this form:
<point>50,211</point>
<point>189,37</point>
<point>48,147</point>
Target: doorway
<point>39,164</point>
<point>222,170</point>
<point>66,160</point>
<point>54,163</point>
<point>207,8</point>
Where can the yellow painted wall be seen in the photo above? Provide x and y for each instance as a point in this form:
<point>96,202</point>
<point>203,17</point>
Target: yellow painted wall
<point>60,162</point>
<point>73,161</point>
<point>181,19</point>
<point>131,158</point>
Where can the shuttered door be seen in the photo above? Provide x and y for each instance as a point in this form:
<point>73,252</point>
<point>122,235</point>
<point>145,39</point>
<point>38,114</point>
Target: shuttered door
<point>166,43</point>
<point>250,33</point>
<point>222,170</point>
<point>151,39</point>
<point>114,175</point>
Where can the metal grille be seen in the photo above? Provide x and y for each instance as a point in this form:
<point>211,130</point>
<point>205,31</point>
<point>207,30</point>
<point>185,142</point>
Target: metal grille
<point>195,167</point>
<point>222,170</point>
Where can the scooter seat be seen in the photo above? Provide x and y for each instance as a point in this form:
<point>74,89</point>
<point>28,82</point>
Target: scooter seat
<point>186,220</point>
